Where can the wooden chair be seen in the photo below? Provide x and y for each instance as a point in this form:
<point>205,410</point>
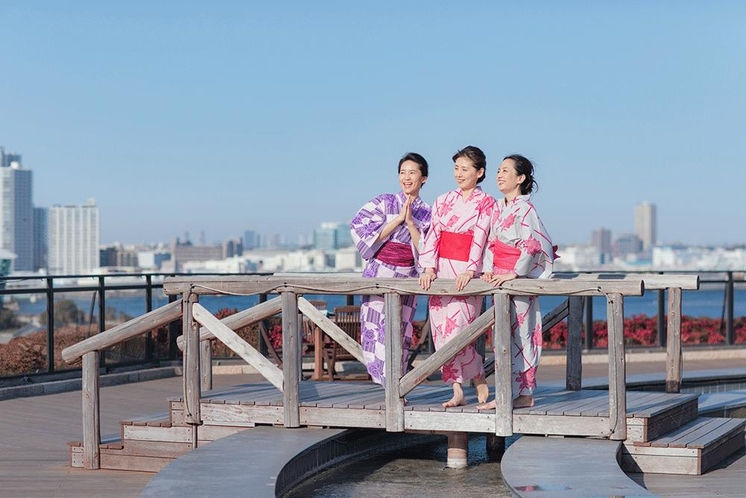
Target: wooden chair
<point>348,319</point>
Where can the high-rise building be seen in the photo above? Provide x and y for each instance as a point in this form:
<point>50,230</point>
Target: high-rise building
<point>627,244</point>
<point>41,238</point>
<point>250,240</point>
<point>646,225</point>
<point>325,237</point>
<point>74,238</point>
<point>16,211</point>
<point>601,240</point>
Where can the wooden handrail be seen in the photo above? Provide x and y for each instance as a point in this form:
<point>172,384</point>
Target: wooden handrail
<point>140,325</point>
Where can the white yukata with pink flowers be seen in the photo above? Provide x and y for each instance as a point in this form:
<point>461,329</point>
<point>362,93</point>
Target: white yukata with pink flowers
<point>450,314</point>
<point>517,225</point>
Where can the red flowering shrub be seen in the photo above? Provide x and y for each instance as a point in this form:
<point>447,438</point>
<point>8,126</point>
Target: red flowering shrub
<point>641,330</point>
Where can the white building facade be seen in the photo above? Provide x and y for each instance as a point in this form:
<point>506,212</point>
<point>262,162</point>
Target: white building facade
<point>74,237</point>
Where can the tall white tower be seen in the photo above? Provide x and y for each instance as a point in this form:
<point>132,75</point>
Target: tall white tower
<point>646,225</point>
<point>16,213</point>
<point>74,237</point>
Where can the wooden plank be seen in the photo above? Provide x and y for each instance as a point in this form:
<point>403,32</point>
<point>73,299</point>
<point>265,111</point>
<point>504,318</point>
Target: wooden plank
<point>134,463</point>
<point>393,343</point>
<point>673,342</point>
<point>450,421</point>
<point>132,328</point>
<point>144,433</point>
<point>561,426</point>
<point>708,432</point>
<point>241,319</point>
<point>346,284</point>
<point>242,348</point>
<point>557,405</point>
<point>205,365</point>
<point>160,449</point>
<point>331,417</point>
<point>574,365</point>
<point>291,352</point>
<point>242,415</point>
<point>192,388</point>
<point>91,411</point>
<point>617,370</point>
<point>503,366</point>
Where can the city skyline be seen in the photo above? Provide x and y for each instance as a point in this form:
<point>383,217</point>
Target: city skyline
<point>277,117</point>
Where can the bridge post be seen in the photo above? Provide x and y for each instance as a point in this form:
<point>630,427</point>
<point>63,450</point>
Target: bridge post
<point>574,365</point>
<point>192,384</point>
<point>394,356</point>
<point>673,343</point>
<point>291,357</point>
<point>458,450</point>
<point>503,378</point>
<point>617,368</point>
<point>91,411</point>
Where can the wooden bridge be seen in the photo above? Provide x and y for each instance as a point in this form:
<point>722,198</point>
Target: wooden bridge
<point>656,428</point>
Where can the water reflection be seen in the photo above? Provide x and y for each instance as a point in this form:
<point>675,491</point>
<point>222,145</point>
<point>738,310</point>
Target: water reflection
<point>415,471</point>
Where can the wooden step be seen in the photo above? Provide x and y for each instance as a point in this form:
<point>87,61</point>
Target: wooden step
<point>691,449</point>
<point>655,414</point>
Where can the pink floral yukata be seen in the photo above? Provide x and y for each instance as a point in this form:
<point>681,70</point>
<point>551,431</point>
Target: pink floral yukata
<point>447,248</point>
<point>391,257</point>
<point>518,242</point>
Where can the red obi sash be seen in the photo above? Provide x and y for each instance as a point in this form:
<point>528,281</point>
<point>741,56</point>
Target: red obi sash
<point>504,256</point>
<point>455,245</point>
<point>395,253</point>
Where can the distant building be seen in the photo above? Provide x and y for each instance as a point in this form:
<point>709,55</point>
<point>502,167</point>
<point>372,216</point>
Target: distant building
<point>344,237</point>
<point>232,247</point>
<point>626,245</point>
<point>250,240</point>
<point>325,237</point>
<point>16,211</point>
<point>74,238</point>
<point>601,240</point>
<point>41,238</point>
<point>183,253</point>
<point>646,225</point>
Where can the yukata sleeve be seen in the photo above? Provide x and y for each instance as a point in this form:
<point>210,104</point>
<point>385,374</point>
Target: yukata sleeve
<point>535,245</point>
<point>424,217</point>
<point>481,232</point>
<point>367,225</point>
<point>430,239</point>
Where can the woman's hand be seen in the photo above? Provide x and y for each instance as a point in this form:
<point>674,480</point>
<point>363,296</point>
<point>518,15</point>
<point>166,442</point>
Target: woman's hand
<point>427,278</point>
<point>462,279</point>
<point>499,279</point>
<point>486,277</point>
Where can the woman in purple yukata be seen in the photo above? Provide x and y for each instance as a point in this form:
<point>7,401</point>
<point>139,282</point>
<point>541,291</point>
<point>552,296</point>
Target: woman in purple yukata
<point>519,247</point>
<point>387,232</point>
<point>454,248</point>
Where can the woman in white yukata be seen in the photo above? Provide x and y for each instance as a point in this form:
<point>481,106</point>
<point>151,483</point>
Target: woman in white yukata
<point>519,247</point>
<point>453,248</point>
<point>387,231</point>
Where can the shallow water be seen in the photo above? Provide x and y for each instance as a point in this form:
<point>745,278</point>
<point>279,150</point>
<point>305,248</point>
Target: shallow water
<point>416,471</point>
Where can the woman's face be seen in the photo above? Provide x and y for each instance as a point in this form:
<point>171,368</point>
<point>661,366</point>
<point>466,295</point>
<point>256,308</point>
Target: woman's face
<point>508,179</point>
<point>466,174</point>
<point>410,178</point>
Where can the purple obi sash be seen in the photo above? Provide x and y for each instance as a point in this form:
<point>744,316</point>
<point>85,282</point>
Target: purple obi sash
<point>395,253</point>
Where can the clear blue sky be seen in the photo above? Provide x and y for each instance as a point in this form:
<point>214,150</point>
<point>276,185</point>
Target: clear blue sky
<point>230,115</point>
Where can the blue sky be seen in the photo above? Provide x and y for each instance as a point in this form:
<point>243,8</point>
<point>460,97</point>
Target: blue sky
<point>223,116</point>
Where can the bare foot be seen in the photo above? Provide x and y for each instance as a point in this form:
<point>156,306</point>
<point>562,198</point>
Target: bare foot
<point>487,406</point>
<point>523,401</point>
<point>458,397</point>
<point>483,390</point>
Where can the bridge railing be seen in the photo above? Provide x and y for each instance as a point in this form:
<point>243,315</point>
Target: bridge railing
<point>199,326</point>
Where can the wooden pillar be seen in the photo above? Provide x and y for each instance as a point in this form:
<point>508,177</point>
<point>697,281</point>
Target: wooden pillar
<point>192,389</point>
<point>205,364</point>
<point>393,345</point>
<point>574,365</point>
<point>673,342</point>
<point>458,450</point>
<point>503,378</point>
<point>291,358</point>
<point>617,368</point>
<point>91,412</point>
<point>495,446</point>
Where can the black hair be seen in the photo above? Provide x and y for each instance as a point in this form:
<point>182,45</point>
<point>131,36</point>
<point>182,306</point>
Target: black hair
<point>416,158</point>
<point>524,167</point>
<point>476,156</point>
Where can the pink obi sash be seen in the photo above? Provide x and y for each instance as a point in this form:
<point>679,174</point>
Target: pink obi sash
<point>455,245</point>
<point>504,256</point>
<point>395,253</point>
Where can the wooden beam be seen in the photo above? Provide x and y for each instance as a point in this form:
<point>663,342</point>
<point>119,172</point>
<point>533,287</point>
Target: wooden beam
<point>241,319</point>
<point>673,342</point>
<point>132,328</point>
<point>239,346</point>
<point>617,368</point>
<point>394,401</point>
<point>503,366</point>
<point>574,366</point>
<point>291,357</point>
<point>448,351</point>
<point>192,388</point>
<point>91,411</point>
<point>345,284</point>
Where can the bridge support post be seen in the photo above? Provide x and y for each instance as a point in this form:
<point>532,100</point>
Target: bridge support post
<point>458,450</point>
<point>495,446</point>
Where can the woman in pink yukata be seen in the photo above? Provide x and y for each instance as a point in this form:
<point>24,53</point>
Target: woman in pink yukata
<point>453,248</point>
<point>387,231</point>
<point>519,247</point>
